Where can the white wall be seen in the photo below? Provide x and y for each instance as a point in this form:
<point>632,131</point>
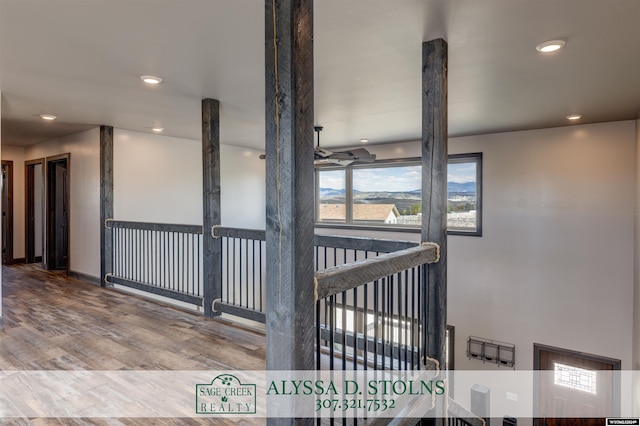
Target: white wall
<point>159,179</point>
<point>16,154</point>
<point>84,214</point>
<point>555,262</point>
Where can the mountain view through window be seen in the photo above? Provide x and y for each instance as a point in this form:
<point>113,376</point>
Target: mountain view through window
<point>391,195</point>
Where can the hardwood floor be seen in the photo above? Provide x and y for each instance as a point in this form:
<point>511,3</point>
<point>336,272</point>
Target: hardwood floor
<point>53,322</point>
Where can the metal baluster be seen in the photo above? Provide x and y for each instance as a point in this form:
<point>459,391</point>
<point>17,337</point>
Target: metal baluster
<point>355,328</point>
<point>260,280</point>
<point>375,325</point>
<point>228,271</point>
<point>318,343</point>
<point>406,319</point>
<point>253,265</point>
<point>332,330</point>
<point>400,321</point>
<point>234,284</point>
<point>344,330</point>
<point>239,284</point>
<point>384,322</point>
<point>246,266</point>
<point>174,262</point>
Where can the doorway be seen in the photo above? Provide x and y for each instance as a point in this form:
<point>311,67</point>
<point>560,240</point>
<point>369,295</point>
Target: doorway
<point>578,392</point>
<point>34,211</point>
<point>7,212</point>
<point>57,207</point>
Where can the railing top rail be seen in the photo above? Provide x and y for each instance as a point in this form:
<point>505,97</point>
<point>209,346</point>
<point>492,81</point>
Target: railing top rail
<point>248,234</point>
<point>350,275</point>
<point>363,243</point>
<point>161,227</point>
<point>334,241</point>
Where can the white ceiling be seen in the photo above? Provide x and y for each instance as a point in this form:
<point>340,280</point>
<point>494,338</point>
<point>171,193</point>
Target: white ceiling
<point>81,60</point>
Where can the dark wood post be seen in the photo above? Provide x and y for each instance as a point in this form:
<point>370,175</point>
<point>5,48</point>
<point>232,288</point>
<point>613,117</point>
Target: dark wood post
<point>211,247</point>
<point>434,189</point>
<point>290,200</point>
<point>106,201</point>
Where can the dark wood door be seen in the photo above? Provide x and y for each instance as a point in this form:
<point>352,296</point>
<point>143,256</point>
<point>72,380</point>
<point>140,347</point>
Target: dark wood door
<point>7,212</point>
<point>578,393</point>
<point>5,226</point>
<point>58,215</point>
<point>34,211</point>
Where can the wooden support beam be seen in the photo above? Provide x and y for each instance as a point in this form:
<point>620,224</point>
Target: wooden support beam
<point>106,201</point>
<point>345,277</point>
<point>211,247</point>
<point>290,200</point>
<point>434,190</point>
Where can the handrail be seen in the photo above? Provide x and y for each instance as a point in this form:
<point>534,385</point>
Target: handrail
<point>149,226</point>
<point>333,241</point>
<point>248,234</point>
<point>362,243</point>
<point>350,275</point>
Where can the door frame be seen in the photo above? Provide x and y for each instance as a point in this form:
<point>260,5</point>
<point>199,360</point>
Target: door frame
<point>9,234</point>
<point>29,211</point>
<point>48,226</point>
<point>616,364</point>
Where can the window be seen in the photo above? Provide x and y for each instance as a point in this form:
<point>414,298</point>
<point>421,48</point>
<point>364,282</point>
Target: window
<point>388,195</point>
<point>332,190</point>
<point>575,378</point>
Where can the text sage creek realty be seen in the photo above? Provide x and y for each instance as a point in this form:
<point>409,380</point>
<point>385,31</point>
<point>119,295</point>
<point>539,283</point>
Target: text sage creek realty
<point>352,387</point>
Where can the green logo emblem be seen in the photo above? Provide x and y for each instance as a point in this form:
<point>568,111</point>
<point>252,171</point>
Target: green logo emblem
<point>225,395</point>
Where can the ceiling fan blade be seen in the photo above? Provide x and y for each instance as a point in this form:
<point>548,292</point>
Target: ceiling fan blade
<point>322,153</point>
<point>359,155</point>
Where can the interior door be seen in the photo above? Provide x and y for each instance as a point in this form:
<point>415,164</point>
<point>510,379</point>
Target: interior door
<point>7,212</point>
<point>34,211</point>
<point>577,392</point>
<point>58,214</point>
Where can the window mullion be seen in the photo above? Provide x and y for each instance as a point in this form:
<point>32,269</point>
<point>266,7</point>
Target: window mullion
<point>348,176</point>
<point>316,177</point>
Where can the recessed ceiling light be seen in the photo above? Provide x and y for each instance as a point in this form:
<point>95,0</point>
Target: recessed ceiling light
<point>158,129</point>
<point>48,117</point>
<point>550,46</point>
<point>364,140</point>
<point>151,79</point>
<point>574,117</point>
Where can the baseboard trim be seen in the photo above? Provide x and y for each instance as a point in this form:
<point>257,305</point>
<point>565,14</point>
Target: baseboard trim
<point>85,277</point>
<point>18,261</point>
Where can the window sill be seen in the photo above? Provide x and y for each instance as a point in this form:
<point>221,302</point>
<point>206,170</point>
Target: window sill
<point>391,228</point>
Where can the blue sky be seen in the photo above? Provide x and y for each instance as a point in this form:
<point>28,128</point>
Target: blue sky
<point>404,178</point>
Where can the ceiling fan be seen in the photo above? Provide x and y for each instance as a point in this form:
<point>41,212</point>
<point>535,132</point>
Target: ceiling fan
<point>342,158</point>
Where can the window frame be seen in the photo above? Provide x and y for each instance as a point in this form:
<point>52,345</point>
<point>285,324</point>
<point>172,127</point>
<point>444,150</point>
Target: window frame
<point>412,161</point>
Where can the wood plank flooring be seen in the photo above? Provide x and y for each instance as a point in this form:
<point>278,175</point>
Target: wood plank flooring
<point>53,322</point>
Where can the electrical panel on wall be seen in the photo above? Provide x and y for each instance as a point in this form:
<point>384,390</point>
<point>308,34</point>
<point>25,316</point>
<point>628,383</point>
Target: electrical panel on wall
<point>491,351</point>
